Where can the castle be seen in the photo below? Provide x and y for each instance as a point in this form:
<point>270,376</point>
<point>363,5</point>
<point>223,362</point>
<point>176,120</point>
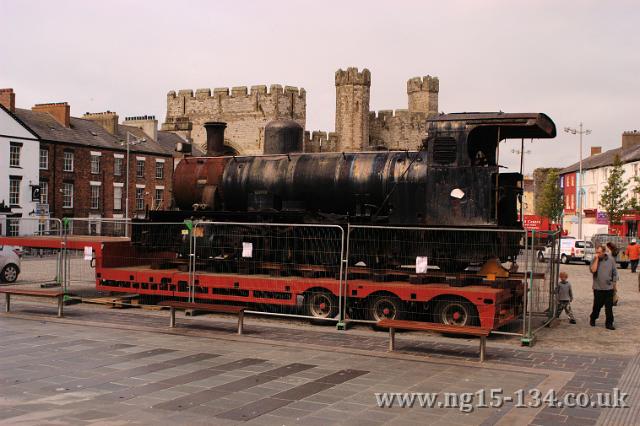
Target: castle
<point>246,113</point>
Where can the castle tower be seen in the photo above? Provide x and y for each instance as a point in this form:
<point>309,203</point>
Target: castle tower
<point>352,109</point>
<point>423,94</point>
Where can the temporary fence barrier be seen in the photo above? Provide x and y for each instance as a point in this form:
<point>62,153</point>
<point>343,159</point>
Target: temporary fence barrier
<point>37,264</point>
<point>454,276</point>
<point>486,277</point>
<point>542,257</point>
<point>275,269</point>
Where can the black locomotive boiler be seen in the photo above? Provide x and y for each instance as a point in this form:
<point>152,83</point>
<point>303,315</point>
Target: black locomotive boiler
<point>452,186</point>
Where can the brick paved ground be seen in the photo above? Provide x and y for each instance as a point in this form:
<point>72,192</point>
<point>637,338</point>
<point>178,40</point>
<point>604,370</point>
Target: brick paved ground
<point>592,359</point>
<point>140,377</point>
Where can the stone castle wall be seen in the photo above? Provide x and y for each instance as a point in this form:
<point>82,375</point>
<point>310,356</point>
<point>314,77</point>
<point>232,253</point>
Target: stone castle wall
<point>246,113</point>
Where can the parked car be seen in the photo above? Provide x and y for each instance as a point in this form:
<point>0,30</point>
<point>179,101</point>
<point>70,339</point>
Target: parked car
<point>620,242</point>
<point>571,250</point>
<point>9,263</point>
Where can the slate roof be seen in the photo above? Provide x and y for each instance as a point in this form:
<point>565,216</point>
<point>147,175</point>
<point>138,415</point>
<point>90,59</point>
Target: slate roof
<point>149,146</point>
<point>605,159</point>
<point>86,132</point>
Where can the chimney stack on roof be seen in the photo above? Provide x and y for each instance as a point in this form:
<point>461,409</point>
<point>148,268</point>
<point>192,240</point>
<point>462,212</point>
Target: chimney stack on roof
<point>107,119</point>
<point>60,111</point>
<point>147,123</point>
<point>630,139</point>
<point>8,99</point>
<point>595,150</point>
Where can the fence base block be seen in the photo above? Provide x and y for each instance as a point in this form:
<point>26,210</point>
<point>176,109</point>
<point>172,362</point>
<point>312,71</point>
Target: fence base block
<point>342,325</point>
<point>528,341</point>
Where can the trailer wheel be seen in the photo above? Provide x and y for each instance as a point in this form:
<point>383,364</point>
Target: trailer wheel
<point>456,312</point>
<point>321,305</point>
<point>386,307</point>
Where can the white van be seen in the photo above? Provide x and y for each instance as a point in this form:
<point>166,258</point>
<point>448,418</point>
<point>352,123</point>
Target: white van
<point>571,250</point>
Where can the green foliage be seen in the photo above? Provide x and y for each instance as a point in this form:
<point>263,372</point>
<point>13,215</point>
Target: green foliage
<point>551,204</point>
<point>633,203</point>
<point>613,199</point>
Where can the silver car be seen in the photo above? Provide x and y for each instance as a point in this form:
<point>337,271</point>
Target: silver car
<point>9,263</point>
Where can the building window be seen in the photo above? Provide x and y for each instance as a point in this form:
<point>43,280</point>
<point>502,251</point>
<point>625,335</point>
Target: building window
<point>139,198</point>
<point>14,154</point>
<point>117,198</point>
<point>159,169</point>
<point>117,166</point>
<point>14,227</point>
<point>159,198</point>
<point>140,168</point>
<point>44,192</point>
<point>14,190</point>
<point>95,164</point>
<point>95,196</point>
<point>68,161</point>
<point>44,158</point>
<point>67,195</point>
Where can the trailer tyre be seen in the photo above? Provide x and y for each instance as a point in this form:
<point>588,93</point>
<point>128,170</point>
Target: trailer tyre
<point>386,307</point>
<point>456,312</point>
<point>321,304</point>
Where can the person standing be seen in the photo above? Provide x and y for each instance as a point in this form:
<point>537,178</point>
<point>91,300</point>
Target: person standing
<point>633,252</point>
<point>605,277</point>
<point>565,297</point>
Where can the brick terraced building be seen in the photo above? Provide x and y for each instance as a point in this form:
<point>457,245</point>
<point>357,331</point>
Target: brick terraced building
<point>82,164</point>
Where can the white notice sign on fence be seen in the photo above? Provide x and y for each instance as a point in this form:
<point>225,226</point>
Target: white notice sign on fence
<point>88,253</point>
<point>247,249</point>
<point>422,264</point>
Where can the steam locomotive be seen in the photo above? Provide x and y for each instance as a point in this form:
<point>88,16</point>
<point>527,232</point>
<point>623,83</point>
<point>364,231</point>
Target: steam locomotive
<point>449,189</point>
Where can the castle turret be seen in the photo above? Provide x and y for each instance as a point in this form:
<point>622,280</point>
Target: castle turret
<point>352,109</point>
<point>423,94</point>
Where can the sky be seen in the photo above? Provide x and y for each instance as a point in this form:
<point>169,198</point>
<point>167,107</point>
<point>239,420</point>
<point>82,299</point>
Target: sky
<point>577,61</point>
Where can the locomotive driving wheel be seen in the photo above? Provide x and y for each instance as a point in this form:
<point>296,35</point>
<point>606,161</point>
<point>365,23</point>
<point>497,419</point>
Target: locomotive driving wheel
<point>321,305</point>
<point>386,307</point>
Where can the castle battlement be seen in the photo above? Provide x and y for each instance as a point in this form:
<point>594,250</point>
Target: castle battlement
<point>352,76</point>
<point>388,114</point>
<point>238,92</point>
<point>319,141</point>
<point>423,84</point>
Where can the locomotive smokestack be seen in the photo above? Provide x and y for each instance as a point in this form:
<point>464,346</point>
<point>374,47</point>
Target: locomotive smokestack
<point>215,138</point>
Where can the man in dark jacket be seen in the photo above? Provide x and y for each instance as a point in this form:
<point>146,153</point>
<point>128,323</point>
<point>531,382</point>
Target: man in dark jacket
<point>605,277</point>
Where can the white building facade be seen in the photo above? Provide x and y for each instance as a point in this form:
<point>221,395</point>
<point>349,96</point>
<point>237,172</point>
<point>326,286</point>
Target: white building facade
<point>19,172</point>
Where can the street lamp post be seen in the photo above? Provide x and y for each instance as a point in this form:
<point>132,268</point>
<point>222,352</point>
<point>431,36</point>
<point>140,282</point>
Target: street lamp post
<point>580,132</point>
<point>126,189</point>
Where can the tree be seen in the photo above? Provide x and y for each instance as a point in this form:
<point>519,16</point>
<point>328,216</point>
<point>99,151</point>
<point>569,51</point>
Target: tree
<point>613,200</point>
<point>633,204</point>
<point>551,204</point>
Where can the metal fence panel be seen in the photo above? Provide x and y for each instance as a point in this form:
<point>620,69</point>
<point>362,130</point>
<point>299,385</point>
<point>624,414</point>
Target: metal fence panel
<point>29,260</point>
<point>277,269</point>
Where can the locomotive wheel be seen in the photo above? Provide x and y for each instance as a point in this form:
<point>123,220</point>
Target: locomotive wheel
<point>321,305</point>
<point>456,312</point>
<point>386,307</point>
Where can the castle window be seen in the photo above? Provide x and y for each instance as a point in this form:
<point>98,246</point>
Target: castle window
<point>444,150</point>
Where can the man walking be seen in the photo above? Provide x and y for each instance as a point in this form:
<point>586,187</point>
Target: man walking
<point>633,252</point>
<point>605,277</point>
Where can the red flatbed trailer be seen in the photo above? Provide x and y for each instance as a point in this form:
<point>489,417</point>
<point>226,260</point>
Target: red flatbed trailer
<point>120,267</point>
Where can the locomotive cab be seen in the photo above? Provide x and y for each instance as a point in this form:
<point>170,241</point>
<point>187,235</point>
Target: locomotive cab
<point>466,186</point>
